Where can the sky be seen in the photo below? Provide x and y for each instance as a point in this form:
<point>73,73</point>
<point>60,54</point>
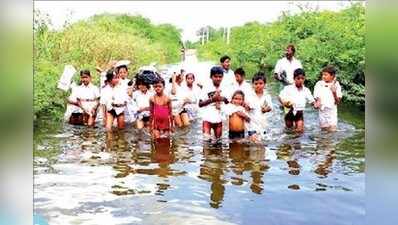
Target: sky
<point>189,16</point>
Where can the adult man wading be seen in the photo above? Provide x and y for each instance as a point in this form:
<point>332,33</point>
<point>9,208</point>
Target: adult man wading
<point>285,67</point>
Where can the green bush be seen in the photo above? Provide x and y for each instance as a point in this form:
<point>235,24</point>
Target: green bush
<point>93,42</point>
<point>321,38</point>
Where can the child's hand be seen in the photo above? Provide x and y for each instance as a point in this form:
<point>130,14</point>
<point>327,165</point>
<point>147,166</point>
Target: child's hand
<point>288,104</point>
<point>265,109</point>
<point>333,88</point>
<point>317,104</point>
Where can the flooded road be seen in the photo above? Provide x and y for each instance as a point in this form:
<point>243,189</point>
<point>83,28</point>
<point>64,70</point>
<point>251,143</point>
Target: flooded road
<point>84,176</point>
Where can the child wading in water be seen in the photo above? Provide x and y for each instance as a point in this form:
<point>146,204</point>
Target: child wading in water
<point>260,104</point>
<point>114,99</point>
<point>294,97</point>
<point>327,93</point>
<point>211,100</point>
<point>84,101</point>
<point>237,116</point>
<point>160,108</point>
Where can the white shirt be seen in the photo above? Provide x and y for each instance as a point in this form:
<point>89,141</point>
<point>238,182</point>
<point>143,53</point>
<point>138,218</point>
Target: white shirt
<point>258,119</point>
<point>114,95</point>
<point>288,66</point>
<point>87,95</point>
<point>298,97</point>
<point>140,99</point>
<point>192,94</point>
<point>228,79</point>
<point>323,91</point>
<point>124,83</point>
<point>244,87</point>
<point>210,113</point>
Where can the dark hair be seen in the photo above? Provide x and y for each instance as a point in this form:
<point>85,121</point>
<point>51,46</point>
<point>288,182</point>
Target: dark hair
<point>120,67</point>
<point>85,72</point>
<point>109,75</point>
<point>238,92</point>
<point>329,69</point>
<point>186,75</point>
<point>259,76</point>
<point>130,83</point>
<point>160,80</point>
<point>298,72</point>
<point>291,46</point>
<point>240,71</point>
<point>225,57</point>
<point>216,70</point>
<point>139,81</point>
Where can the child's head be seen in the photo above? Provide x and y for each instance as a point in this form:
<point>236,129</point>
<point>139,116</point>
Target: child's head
<point>112,78</point>
<point>299,77</point>
<point>85,77</point>
<point>159,85</point>
<point>189,78</point>
<point>238,97</point>
<point>328,74</point>
<point>122,71</point>
<point>225,62</point>
<point>239,75</point>
<point>259,82</point>
<point>142,86</point>
<point>216,75</point>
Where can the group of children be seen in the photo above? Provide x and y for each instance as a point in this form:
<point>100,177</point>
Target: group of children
<point>161,107</point>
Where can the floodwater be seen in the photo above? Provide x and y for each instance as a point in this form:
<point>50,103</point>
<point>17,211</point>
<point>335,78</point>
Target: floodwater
<point>84,176</point>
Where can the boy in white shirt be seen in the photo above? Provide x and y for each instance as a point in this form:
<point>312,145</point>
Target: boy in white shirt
<point>211,100</point>
<point>114,100</point>
<point>327,93</point>
<point>239,83</point>
<point>85,101</point>
<point>294,97</point>
<point>259,103</point>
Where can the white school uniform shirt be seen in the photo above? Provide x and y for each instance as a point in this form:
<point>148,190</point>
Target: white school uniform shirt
<point>114,95</point>
<point>298,97</point>
<point>83,92</point>
<point>288,66</point>
<point>324,93</point>
<point>124,83</point>
<point>244,87</point>
<point>228,79</point>
<point>140,99</point>
<point>258,119</point>
<point>210,113</point>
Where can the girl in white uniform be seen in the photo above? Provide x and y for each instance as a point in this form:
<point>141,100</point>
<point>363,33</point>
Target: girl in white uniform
<point>84,101</point>
<point>188,96</point>
<point>114,100</point>
<point>141,104</point>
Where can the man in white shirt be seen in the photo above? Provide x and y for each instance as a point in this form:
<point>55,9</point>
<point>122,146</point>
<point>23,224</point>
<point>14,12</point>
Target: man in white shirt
<point>228,79</point>
<point>211,100</point>
<point>286,66</point>
<point>84,100</point>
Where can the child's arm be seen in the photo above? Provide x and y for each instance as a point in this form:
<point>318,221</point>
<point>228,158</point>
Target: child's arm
<point>336,90</point>
<point>203,103</point>
<point>151,109</point>
<point>243,115</point>
<point>171,121</point>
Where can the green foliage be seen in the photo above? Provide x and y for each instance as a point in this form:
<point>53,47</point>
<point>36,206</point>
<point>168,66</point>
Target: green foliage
<point>321,38</point>
<point>94,42</point>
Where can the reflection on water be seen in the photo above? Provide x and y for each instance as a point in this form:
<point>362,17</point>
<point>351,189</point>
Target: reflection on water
<point>87,176</point>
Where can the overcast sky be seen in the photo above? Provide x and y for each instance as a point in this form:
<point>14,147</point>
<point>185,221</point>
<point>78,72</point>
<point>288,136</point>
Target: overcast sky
<point>186,15</point>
